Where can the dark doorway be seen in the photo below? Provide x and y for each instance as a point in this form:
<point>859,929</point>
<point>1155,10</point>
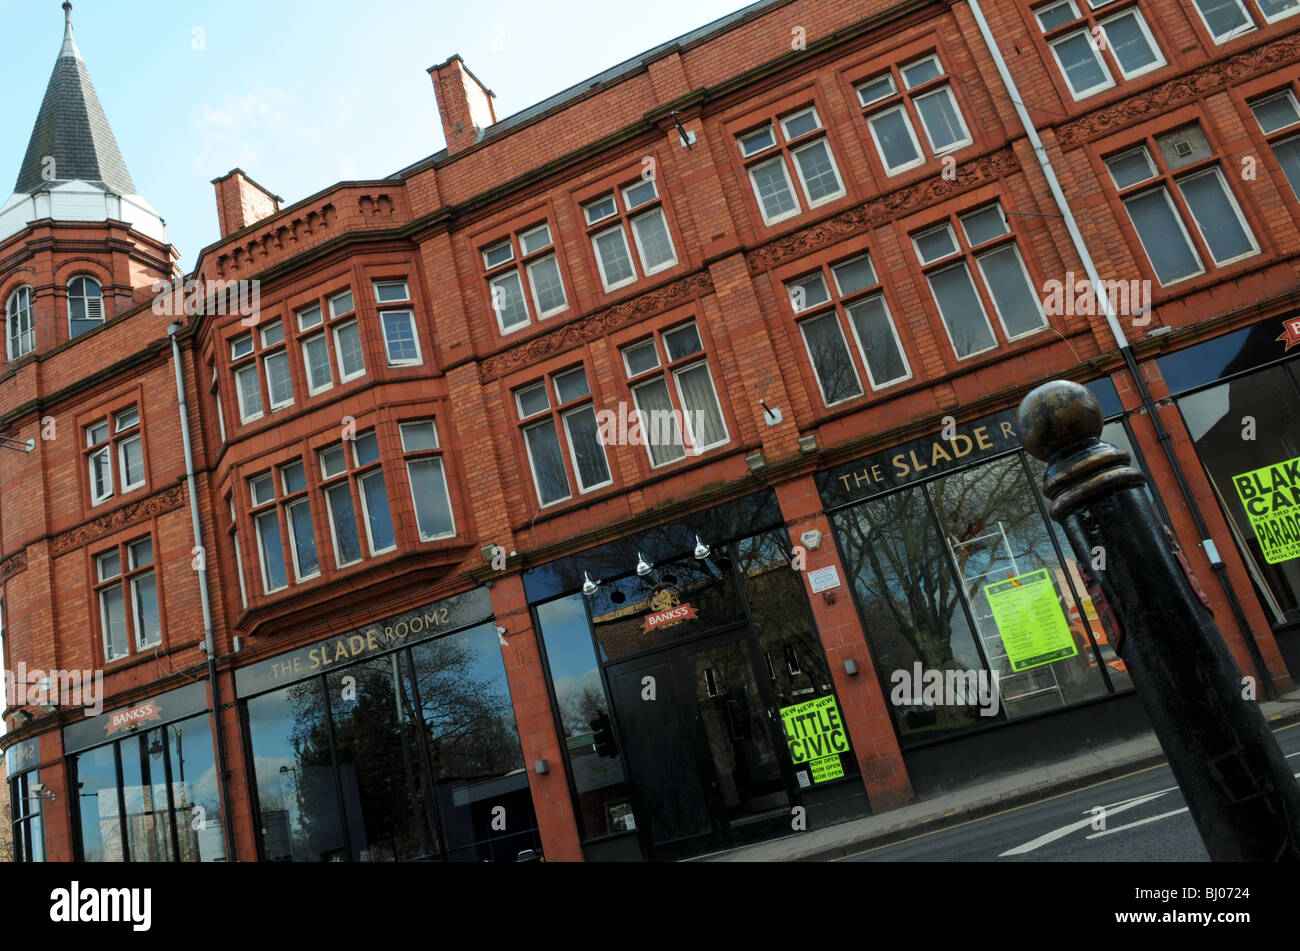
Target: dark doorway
<point>705,753</point>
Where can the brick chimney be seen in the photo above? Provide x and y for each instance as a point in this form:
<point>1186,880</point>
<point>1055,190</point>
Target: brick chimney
<point>466,105</point>
<point>242,202</point>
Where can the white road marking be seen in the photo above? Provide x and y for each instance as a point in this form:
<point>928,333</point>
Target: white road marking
<point>1050,837</point>
<point>1140,822</point>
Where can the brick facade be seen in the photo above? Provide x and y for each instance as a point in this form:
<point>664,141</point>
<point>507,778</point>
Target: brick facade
<point>429,226</point>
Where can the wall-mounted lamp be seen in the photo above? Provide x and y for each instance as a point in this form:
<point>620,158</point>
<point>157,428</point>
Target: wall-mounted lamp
<point>643,567</point>
<point>541,767</point>
<point>851,667</point>
<point>684,135</point>
<point>17,445</point>
<point>701,550</point>
<point>588,586</point>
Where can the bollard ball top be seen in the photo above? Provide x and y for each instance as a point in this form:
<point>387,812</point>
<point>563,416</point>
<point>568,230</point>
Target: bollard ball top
<point>1057,416</point>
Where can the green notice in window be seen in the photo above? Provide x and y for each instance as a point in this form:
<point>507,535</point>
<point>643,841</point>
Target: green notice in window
<point>816,734</point>
<point>1029,618</point>
<point>1271,497</point>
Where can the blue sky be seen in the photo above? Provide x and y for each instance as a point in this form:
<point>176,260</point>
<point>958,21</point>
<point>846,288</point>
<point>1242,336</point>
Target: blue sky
<point>302,94</point>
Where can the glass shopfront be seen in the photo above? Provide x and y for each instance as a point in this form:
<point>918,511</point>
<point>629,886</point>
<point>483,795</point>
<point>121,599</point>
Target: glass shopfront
<point>395,742</point>
<point>152,794</point>
<point>27,797</point>
<point>694,696</point>
<point>962,579</point>
<point>1240,397</point>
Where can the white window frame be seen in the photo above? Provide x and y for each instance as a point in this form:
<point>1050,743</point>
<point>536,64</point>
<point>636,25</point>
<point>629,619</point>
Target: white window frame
<point>961,262</point>
<point>778,159</point>
<point>1081,94</point>
<point>1135,12</point>
<point>282,353</point>
<point>862,350</point>
<point>825,142</point>
<point>1038,13</point>
<point>394,282</point>
<point>988,288</point>
<point>892,170</point>
<point>532,285</point>
<point>344,376</point>
<point>573,452</point>
<point>647,420</point>
<point>834,316</point>
<point>86,301</point>
<point>446,489</point>
<point>1217,171</point>
<point>415,337</point>
<point>1163,188</point>
<point>600,260</point>
<point>128,486</point>
<point>323,337</point>
<point>1250,26</point>
<point>327,489</point>
<point>292,533</point>
<point>272,512</point>
<point>640,250</point>
<point>961,143</point>
<point>532,466</point>
<point>1284,15</point>
<point>696,448</point>
<point>244,416</point>
<point>133,580</point>
<point>16,312</point>
<point>365,510</point>
<point>107,452</point>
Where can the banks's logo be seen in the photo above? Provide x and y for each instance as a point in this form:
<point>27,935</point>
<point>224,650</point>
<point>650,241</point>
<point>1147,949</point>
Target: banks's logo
<point>126,719</point>
<point>1291,334</point>
<point>667,610</point>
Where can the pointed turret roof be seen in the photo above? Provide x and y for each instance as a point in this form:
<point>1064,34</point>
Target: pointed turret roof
<point>72,129</point>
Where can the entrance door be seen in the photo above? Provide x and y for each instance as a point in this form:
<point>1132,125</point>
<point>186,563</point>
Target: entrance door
<point>704,755</point>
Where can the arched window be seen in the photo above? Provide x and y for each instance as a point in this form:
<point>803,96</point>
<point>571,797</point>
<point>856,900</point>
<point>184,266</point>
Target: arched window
<point>18,318</point>
<point>85,306</point>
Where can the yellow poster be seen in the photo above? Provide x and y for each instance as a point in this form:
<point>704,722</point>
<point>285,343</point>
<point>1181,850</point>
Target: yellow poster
<point>1271,497</point>
<point>1030,620</point>
<point>816,734</point>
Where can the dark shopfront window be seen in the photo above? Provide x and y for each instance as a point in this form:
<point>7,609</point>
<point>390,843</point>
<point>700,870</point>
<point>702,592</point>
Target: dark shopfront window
<point>28,817</point>
<point>151,797</point>
<point>924,561</point>
<point>748,581</point>
<point>1252,425</point>
<point>408,756</point>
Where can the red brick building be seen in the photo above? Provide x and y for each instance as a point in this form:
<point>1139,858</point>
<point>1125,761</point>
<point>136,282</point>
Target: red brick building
<point>606,484</point>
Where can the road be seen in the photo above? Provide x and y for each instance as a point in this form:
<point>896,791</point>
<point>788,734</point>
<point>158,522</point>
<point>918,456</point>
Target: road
<point>1145,820</point>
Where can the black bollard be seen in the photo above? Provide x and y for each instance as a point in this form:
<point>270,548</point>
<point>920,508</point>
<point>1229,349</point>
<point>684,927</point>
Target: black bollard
<point>1239,790</point>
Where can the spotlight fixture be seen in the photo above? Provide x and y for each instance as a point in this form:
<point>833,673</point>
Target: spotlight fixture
<point>589,587</point>
<point>643,567</point>
<point>701,550</point>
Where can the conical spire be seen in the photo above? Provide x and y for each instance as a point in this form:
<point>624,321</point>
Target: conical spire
<point>72,139</point>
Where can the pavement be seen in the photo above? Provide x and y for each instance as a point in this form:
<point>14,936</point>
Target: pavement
<point>979,800</point>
